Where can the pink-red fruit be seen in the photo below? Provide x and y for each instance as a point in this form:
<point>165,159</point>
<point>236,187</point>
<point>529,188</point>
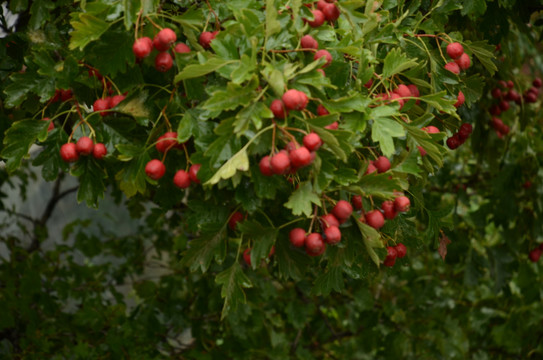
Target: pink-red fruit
<point>265,166</point>
<point>342,210</point>
<point>206,37</point>
<point>318,19</point>
<point>247,256</point>
<point>181,48</point>
<point>294,99</point>
<point>332,235</point>
<point>331,12</point>
<point>464,62</point>
<point>278,109</point>
<point>280,163</point>
<point>166,141</point>
<point>297,237</point>
<point>357,202</point>
<point>314,244</point>
<point>181,179</point>
<point>312,141</point>
<point>68,152</point>
<point>401,250</point>
<point>100,105</point>
<point>460,100</point>
<point>325,54</point>
<point>84,145</point>
<point>308,42</point>
<point>163,61</point>
<point>193,173</point>
<point>99,151</point>
<point>455,50</point>
<point>142,47</point>
<point>300,157</point>
<point>453,67</point>
<point>234,219</point>
<point>535,255</point>
<point>155,169</point>
<point>402,203</point>
<point>321,110</point>
<point>329,220</point>
<point>388,209</point>
<point>382,164</point>
<point>375,219</point>
<point>391,256</point>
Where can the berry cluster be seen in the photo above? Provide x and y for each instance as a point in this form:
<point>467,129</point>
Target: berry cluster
<point>530,95</point>
<point>381,165</point>
<point>61,95</point>
<point>70,152</point>
<point>461,60</point>
<point>535,254</point>
<point>162,41</point>
<point>109,102</point>
<point>399,94</point>
<point>393,252</point>
<point>326,11</point>
<point>460,137</point>
<point>390,209</point>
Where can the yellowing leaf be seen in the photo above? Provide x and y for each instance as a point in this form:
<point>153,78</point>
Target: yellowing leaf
<point>239,161</point>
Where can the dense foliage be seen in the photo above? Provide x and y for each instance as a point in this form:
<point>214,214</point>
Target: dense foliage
<point>186,133</point>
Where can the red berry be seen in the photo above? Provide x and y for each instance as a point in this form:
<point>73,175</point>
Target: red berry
<point>314,244</point>
<point>403,91</point>
<point>51,125</point>
<point>332,126</point>
<point>166,142</point>
<point>297,237</point>
<point>181,48</point>
<point>294,99</point>
<point>205,39</point>
<point>68,152</point>
<point>84,145</point>
<point>323,53</point>
<point>414,90</point>
<point>453,67</point>
<point>368,84</point>
<point>375,219</point>
<point>193,172</point>
<point>318,19</point>
<point>537,82</point>
<point>504,105</point>
<point>265,166</point>
<point>65,95</point>
<point>357,202</point>
<point>502,83</point>
<point>278,109</point>
<point>464,62</point>
<point>510,84</point>
<point>234,219</point>
<point>247,256</point>
<point>329,220</point>
<point>308,42</point>
<point>535,255</point>
<point>401,250</point>
<point>371,169</point>
<point>402,203</point>
<point>101,104</point>
<point>495,110</point>
<point>331,12</point>
<point>388,209</point>
<point>321,4</point>
<point>99,151</point>
<point>455,50</point>
<point>142,47</point>
<point>460,99</point>
<point>332,235</point>
<point>453,142</point>
<point>155,169</point>
<point>181,179</point>
<point>300,157</point>
<point>321,110</point>
<point>280,163</point>
<point>312,141</point>
<point>530,97</point>
<point>431,129</point>
<point>391,256</point>
<point>163,61</point>
<point>342,210</point>
<point>512,95</point>
<point>465,130</point>
<point>496,93</point>
<point>166,37</point>
<point>115,100</point>
<point>382,164</point>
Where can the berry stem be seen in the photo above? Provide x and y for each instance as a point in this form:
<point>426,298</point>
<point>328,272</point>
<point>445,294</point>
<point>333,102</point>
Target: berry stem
<point>153,23</point>
<point>217,22</point>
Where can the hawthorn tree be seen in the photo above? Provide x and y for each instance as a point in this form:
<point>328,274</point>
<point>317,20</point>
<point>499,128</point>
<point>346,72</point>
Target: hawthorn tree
<point>301,172</point>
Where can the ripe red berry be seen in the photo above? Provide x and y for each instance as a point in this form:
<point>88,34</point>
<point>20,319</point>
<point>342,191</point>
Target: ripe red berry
<point>403,91</point>
<point>455,50</point>
<point>116,100</point>
<point>100,105</point>
<point>181,179</point>
<point>84,145</point>
<point>368,84</point>
<point>51,125</point>
<point>181,48</point>
<point>166,141</point>
<point>537,82</point>
<point>453,67</point>
<point>391,256</point>
<point>280,163</point>
<point>265,166</point>
<point>388,209</point>
<point>431,129</point>
<point>329,220</point>
<point>314,244</point>
<point>142,47</point>
<point>166,37</point>
<point>331,12</point>
<point>321,110</point>
<point>375,219</point>
<point>312,141</point>
<point>371,169</point>
<point>318,19</point>
<point>504,105</point>
<point>294,99</point>
<point>332,235</point>
<point>535,255</point>
<point>300,157</point>
<point>205,39</point>
<point>278,109</point>
<point>530,97</point>
<point>382,164</point>
<point>512,95</point>
<point>414,91</point>
<point>465,130</point>
<point>401,250</point>
<point>510,84</point>
<point>356,200</point>
<point>326,55</point>
<point>496,93</point>
<point>297,237</point>
<point>453,142</point>
<point>495,110</point>
<point>460,100</point>
<point>308,42</point>
<point>65,95</point>
<point>234,219</point>
<point>464,62</point>
<point>99,151</point>
<point>247,256</point>
<point>332,126</point>
<point>342,210</point>
<point>68,152</point>
<point>321,4</point>
<point>163,61</point>
<point>155,169</point>
<point>193,173</point>
<point>402,203</point>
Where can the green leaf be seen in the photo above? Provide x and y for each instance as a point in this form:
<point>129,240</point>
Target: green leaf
<point>197,70</point>
<point>395,62</point>
<point>383,130</point>
<point>376,185</point>
<point>244,71</point>
<point>233,280</point>
<point>239,161</point>
<point>253,113</point>
<point>262,239</point>
<point>352,102</point>
<point>136,105</point>
<point>330,280</point>
<point>372,241</point>
<point>272,25</point>
<point>91,184</point>
<point>439,101</point>
<point>233,96</point>
<point>484,53</point>
<point>17,90</point>
<point>473,8</point>
<point>40,11</point>
<point>18,140</point>
<point>186,126</point>
<point>301,199</point>
<point>201,251</point>
<point>132,177</point>
<point>292,263</point>
<point>87,28</point>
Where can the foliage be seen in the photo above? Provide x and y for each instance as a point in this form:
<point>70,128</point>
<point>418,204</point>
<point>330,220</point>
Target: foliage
<point>481,299</point>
